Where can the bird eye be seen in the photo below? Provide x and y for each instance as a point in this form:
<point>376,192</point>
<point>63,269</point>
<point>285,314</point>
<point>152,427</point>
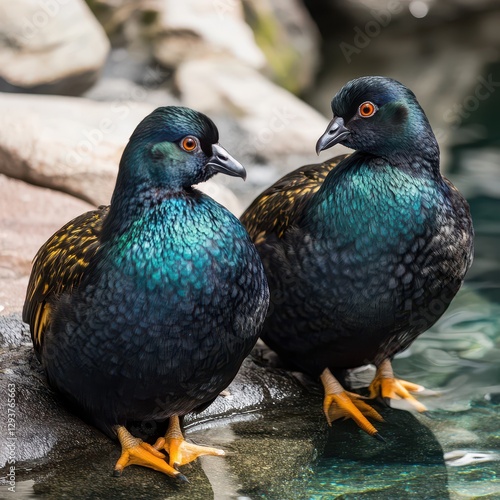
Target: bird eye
<point>189,143</point>
<point>367,109</point>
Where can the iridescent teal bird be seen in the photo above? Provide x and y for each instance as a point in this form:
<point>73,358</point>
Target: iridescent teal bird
<point>363,252</point>
<point>145,310</point>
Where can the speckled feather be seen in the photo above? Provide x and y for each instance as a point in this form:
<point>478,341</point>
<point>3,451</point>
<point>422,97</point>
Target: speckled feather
<point>59,266</point>
<point>279,205</point>
<point>149,307</point>
<point>363,257</point>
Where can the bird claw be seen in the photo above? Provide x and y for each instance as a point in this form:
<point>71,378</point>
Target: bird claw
<point>339,403</point>
<point>181,452</point>
<point>137,452</point>
<point>393,389</point>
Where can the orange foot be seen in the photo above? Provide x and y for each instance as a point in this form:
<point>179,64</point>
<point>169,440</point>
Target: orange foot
<point>385,385</point>
<point>181,452</point>
<point>339,403</point>
<point>137,452</point>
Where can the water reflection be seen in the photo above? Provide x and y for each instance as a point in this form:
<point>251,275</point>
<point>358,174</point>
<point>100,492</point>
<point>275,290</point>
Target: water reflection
<point>458,458</point>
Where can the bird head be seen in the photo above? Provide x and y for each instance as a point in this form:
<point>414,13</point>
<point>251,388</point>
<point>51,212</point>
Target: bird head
<point>176,147</point>
<point>377,115</point>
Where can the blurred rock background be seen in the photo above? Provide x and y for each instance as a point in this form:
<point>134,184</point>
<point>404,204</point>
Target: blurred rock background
<point>76,77</point>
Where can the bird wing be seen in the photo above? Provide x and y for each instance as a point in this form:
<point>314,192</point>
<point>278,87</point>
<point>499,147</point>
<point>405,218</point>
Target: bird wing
<point>462,219</point>
<point>58,267</point>
<point>275,210</point>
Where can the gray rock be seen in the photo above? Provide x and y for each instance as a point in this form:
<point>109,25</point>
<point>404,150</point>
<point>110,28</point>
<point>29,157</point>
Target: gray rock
<point>216,28</point>
<point>54,47</point>
<point>261,425</point>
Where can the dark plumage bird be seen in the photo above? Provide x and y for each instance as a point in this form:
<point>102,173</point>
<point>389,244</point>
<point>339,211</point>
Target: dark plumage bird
<point>145,310</point>
<point>364,252</point>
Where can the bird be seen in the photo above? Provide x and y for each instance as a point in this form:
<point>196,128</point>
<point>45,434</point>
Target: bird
<point>363,252</point>
<point>143,310</point>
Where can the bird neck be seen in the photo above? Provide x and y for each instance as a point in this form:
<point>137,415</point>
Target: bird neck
<point>367,198</point>
<point>416,148</point>
<point>142,186</point>
<point>133,201</point>
<point>422,154</point>
<point>422,163</point>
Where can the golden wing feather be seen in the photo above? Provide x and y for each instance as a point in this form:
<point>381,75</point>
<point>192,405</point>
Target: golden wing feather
<point>58,267</point>
<point>277,207</point>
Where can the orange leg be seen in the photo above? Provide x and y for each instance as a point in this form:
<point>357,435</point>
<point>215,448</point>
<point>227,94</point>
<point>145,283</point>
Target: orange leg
<point>181,452</point>
<point>385,385</point>
<point>137,452</point>
<point>339,403</point>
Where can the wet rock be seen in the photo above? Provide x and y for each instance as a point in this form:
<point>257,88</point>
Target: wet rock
<point>13,333</point>
<point>261,425</point>
<point>407,440</point>
<point>54,47</point>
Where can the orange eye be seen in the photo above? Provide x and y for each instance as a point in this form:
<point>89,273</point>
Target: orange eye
<point>189,143</point>
<point>367,109</point>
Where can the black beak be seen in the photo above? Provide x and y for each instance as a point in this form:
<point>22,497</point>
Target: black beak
<point>222,162</point>
<point>334,134</point>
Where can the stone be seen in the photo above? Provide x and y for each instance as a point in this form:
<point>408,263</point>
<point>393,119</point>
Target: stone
<point>176,31</point>
<point>278,124</point>
<point>28,216</point>
<point>260,424</point>
<point>289,38</point>
<point>65,143</point>
<point>50,46</point>
<point>191,28</point>
<point>275,36</point>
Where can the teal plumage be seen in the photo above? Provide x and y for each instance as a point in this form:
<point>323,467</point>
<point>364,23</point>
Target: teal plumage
<point>145,309</point>
<point>368,250</point>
